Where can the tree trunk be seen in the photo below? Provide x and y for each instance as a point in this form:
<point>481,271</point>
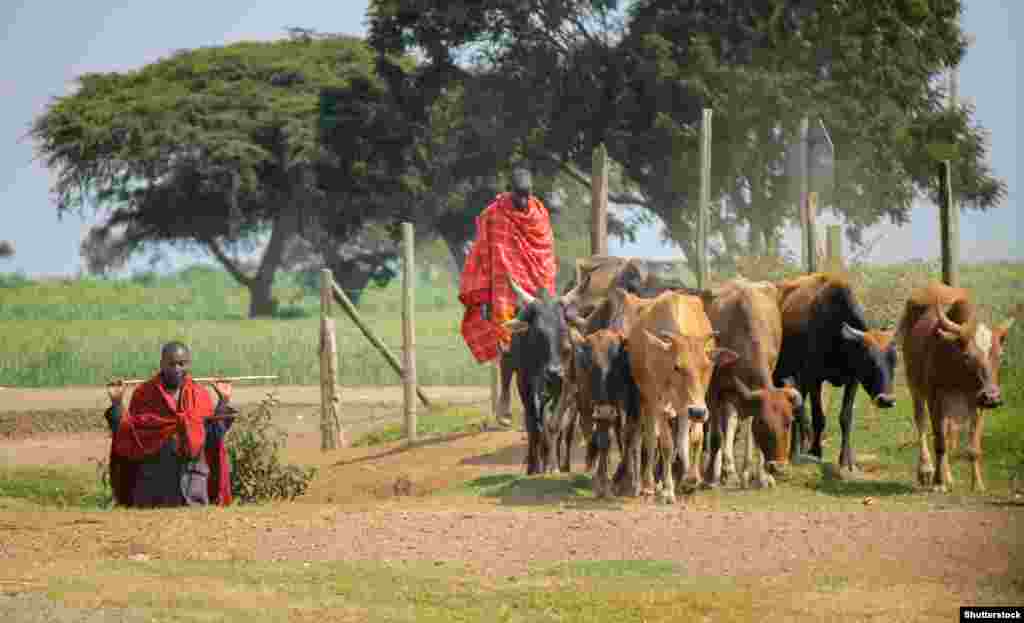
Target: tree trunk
<point>261,300</point>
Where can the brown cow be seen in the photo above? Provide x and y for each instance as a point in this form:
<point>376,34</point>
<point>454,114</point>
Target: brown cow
<point>747,318</point>
<point>952,366</point>
<point>672,356</point>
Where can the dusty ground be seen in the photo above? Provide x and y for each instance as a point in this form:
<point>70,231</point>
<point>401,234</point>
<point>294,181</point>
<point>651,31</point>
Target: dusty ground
<point>394,503</point>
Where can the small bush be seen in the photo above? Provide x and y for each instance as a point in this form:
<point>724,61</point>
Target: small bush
<point>257,473</point>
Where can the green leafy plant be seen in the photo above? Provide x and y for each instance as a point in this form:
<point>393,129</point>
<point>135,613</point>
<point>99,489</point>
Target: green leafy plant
<point>258,475</point>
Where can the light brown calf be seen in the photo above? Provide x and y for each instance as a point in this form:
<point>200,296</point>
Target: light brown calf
<point>952,364</point>
<point>672,355</point>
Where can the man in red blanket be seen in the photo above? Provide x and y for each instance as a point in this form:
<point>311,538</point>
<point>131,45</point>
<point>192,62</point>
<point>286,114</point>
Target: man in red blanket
<point>168,450</point>
<point>513,239</point>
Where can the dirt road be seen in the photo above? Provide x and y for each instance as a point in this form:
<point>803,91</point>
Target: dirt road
<point>29,399</point>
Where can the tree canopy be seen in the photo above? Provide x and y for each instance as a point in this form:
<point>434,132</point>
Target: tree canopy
<point>210,147</point>
<point>637,75</point>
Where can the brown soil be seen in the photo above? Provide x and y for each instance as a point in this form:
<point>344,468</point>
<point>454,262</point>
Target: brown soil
<point>394,503</point>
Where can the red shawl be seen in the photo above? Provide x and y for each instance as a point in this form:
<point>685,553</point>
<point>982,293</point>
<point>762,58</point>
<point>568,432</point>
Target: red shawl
<point>509,242</point>
<point>152,419</point>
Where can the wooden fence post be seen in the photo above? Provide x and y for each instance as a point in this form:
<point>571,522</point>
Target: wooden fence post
<point>705,200</point>
<point>409,331</point>
<point>949,226</point>
<point>835,248</point>
<point>599,202</point>
<point>811,232</point>
<point>350,309</point>
<point>331,433</point>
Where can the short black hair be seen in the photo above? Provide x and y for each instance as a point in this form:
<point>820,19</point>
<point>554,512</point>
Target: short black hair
<point>174,347</point>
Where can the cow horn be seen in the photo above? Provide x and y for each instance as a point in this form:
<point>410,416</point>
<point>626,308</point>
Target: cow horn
<point>946,323</point>
<point>856,333</point>
<point>524,297</point>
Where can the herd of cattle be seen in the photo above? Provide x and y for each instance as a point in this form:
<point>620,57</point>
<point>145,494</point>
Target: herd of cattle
<point>622,354</point>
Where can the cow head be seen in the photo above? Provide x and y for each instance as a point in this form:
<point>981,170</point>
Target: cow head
<point>542,334</point>
<point>602,358</point>
<point>693,360</point>
<point>872,355</point>
<point>771,412</point>
<point>980,350</point>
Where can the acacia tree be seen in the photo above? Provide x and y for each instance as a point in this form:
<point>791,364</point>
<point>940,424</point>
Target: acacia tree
<point>210,148</point>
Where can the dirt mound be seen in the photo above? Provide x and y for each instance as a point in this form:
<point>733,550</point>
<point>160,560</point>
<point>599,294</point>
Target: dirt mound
<point>358,475</point>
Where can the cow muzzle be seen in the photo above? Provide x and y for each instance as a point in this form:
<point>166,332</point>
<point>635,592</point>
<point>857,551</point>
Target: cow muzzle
<point>990,398</point>
<point>776,468</point>
<point>604,412</point>
<point>697,414</point>
<point>885,401</point>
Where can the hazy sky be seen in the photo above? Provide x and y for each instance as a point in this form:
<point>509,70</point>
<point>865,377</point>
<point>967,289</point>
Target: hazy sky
<point>47,44</point>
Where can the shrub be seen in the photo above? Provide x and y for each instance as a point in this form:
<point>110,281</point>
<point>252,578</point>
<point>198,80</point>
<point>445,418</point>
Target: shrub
<point>257,473</point>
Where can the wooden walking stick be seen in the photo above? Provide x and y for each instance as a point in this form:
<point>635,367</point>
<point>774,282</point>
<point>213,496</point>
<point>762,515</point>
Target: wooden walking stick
<point>201,379</point>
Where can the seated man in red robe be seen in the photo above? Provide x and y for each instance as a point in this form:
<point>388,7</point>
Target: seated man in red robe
<point>168,449</point>
<point>513,239</point>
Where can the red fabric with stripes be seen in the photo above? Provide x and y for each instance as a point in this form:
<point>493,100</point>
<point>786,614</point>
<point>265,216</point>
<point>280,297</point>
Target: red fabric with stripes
<point>509,242</point>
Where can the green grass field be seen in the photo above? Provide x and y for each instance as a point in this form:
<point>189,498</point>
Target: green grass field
<point>81,332</point>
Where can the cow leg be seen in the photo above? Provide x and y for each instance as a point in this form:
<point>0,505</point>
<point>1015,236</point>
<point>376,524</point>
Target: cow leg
<point>818,419</point>
<point>713,470</point>
<point>723,462</point>
<point>589,426</point>
<point>667,450</point>
<point>925,469</point>
<point>796,444</point>
<point>977,423</point>
<point>846,456</point>
<point>628,477</point>
<point>602,444</point>
<point>756,459</point>
<point>504,414</point>
<point>549,429</point>
<point>648,428</point>
<point>695,446</point>
<point>940,430</point>
<point>568,438</point>
<point>531,413</point>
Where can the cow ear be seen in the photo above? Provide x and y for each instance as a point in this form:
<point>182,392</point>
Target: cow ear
<point>658,342</point>
<point>1005,327</point>
<point>516,325</point>
<point>724,357</point>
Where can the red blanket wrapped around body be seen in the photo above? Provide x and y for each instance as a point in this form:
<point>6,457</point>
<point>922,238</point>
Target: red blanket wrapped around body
<point>153,418</point>
<point>509,243</point>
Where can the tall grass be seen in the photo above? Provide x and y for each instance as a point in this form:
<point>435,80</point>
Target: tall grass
<point>82,332</point>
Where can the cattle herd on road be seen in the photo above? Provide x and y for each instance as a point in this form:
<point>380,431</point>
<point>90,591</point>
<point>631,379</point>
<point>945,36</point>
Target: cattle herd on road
<point>673,373</point>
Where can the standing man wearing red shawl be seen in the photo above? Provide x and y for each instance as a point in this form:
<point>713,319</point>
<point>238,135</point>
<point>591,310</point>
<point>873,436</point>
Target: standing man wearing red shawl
<point>513,239</point>
<point>168,450</point>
